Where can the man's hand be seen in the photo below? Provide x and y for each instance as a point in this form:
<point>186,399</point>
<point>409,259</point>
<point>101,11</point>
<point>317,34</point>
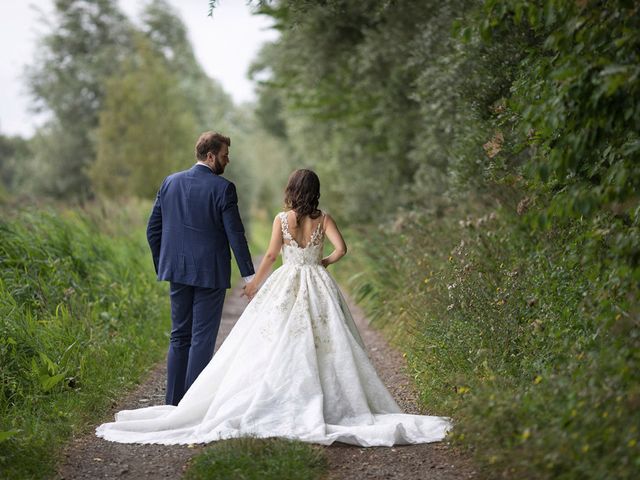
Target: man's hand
<point>250,290</point>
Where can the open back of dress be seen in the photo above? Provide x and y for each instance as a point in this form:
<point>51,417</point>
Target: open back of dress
<point>309,250</point>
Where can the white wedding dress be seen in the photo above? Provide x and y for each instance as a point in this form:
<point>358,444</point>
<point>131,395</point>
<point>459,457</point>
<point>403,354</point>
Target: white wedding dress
<point>293,366</point>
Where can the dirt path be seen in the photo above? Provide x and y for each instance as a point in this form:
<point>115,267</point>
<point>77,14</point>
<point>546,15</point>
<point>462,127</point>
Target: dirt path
<point>90,457</point>
<point>437,461</point>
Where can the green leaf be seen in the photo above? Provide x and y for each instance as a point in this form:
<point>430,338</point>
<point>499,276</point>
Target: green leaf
<point>485,32</point>
<point>456,26</point>
<point>532,15</point>
<point>47,383</point>
<point>66,354</point>
<point>630,148</point>
<point>52,368</point>
<point>466,34</point>
<point>564,73</point>
<point>7,434</point>
<point>518,13</point>
<point>614,69</point>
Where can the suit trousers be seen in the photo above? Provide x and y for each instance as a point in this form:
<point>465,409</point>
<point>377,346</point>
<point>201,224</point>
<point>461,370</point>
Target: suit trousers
<point>195,320</point>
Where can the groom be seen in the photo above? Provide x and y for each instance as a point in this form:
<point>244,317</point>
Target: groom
<point>194,220</point>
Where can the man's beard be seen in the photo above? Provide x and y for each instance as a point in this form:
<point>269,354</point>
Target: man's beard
<point>217,168</point>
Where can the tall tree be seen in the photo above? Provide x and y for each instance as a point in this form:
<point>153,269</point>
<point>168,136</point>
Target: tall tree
<point>343,79</point>
<point>167,33</point>
<point>146,129</point>
<point>87,40</point>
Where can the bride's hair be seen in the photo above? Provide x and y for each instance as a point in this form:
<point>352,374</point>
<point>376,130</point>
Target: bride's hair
<point>303,193</point>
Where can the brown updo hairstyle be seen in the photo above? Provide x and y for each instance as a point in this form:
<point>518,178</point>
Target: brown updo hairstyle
<point>302,193</point>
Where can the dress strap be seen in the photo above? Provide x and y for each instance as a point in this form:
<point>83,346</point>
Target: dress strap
<point>284,221</point>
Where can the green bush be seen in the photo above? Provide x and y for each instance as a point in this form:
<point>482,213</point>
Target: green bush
<point>528,338</point>
<point>81,318</point>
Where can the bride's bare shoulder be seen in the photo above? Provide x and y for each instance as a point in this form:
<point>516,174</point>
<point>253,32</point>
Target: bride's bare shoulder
<point>328,219</point>
<point>278,218</point>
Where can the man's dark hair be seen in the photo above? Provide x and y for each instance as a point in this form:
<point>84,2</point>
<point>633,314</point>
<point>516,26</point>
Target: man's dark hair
<point>210,142</point>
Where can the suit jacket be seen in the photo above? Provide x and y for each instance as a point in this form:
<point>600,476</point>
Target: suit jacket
<point>194,220</point>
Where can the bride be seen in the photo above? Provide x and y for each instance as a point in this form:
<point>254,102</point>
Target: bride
<point>294,365</point>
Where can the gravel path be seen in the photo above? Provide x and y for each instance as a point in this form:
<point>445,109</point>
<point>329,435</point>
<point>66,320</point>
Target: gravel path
<point>89,457</point>
<point>437,461</point>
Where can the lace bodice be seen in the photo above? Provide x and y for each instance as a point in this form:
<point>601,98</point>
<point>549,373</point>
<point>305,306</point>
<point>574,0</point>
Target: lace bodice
<point>294,254</point>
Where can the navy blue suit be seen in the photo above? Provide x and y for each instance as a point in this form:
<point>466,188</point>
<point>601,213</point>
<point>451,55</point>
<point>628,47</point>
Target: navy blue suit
<point>194,220</point>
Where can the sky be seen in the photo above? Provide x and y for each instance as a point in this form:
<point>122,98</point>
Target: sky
<point>224,45</point>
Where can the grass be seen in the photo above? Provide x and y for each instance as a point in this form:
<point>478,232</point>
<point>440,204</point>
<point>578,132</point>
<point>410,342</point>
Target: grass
<point>527,337</point>
<point>81,319</point>
<point>258,459</point>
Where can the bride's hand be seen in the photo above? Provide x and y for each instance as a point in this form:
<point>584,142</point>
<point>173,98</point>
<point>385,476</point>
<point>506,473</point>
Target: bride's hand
<point>250,290</point>
<point>325,262</point>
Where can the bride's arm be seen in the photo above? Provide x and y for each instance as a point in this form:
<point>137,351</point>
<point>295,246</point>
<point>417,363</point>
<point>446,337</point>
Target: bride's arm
<point>335,237</point>
<point>269,258</point>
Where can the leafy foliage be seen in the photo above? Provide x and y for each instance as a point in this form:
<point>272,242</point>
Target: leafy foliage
<point>485,157</point>
<point>204,97</point>
<point>575,101</point>
<point>81,318</point>
<point>144,128</point>
<point>529,340</point>
<point>348,71</point>
<point>126,104</point>
<point>86,41</point>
